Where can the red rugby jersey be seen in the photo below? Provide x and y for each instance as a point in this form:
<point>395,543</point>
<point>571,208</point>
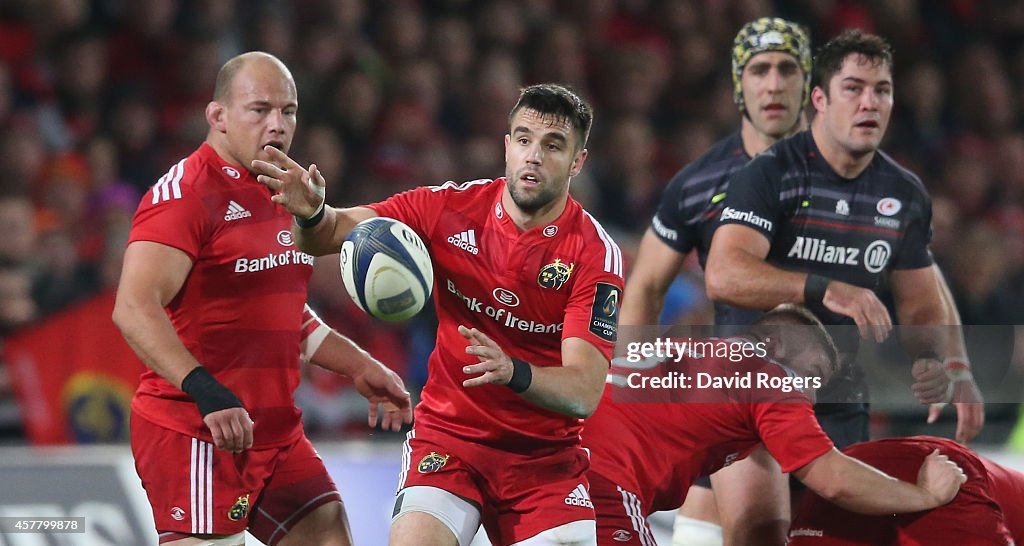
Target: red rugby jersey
<point>240,310</point>
<point>526,290</point>
<point>657,449</point>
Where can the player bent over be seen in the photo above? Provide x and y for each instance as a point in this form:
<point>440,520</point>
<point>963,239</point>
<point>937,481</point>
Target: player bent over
<point>988,510</point>
<point>648,447</point>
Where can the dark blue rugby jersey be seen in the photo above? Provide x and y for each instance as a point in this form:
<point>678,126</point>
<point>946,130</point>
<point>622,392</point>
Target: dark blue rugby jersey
<point>688,212</point>
<point>853,230</point>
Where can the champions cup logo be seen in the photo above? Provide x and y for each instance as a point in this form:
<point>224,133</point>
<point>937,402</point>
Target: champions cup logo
<point>239,509</point>
<point>611,304</point>
<point>432,463</point>
<point>555,275</point>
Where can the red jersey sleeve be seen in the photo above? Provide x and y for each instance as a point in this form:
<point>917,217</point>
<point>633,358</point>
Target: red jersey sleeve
<point>172,214</point>
<point>592,312</point>
<point>414,208</point>
<point>790,432</point>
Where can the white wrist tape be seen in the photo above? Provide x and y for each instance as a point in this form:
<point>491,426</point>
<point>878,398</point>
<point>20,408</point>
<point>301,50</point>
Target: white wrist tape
<point>318,332</point>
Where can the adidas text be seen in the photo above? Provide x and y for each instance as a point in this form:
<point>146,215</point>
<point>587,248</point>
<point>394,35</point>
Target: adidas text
<point>235,212</point>
<point>466,241</point>
<point>579,497</point>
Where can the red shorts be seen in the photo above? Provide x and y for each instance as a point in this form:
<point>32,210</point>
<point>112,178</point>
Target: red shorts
<point>196,489</point>
<point>519,495</point>
<point>621,515</point>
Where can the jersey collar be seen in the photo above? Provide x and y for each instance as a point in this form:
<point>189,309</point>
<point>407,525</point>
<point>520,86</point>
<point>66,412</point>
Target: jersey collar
<point>550,230</point>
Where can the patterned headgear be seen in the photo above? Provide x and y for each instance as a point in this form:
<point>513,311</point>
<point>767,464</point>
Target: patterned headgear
<point>770,34</point>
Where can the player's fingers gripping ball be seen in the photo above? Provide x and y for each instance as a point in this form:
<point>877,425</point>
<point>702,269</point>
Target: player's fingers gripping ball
<point>386,269</point>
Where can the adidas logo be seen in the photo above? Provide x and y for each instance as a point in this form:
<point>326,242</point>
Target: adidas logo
<point>466,241</point>
<point>579,497</point>
<point>236,211</point>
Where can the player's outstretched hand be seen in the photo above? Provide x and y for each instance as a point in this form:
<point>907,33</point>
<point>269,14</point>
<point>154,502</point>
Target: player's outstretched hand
<point>495,366</point>
<point>862,305</point>
<point>231,429</point>
<point>970,410</point>
<point>940,477</point>
<point>301,191</point>
<point>382,387</point>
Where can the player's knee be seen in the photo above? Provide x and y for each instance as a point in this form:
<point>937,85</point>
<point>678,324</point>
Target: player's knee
<point>576,533</point>
<point>694,532</point>
<point>454,512</point>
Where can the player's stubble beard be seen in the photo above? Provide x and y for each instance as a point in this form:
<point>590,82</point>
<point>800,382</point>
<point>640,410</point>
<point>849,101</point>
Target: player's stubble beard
<point>546,193</point>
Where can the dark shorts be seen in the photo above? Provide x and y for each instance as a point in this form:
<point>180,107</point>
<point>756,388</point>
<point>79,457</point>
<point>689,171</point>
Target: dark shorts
<point>845,423</point>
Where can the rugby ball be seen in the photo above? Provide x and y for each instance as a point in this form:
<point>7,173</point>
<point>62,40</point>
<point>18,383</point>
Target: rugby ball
<point>386,269</point>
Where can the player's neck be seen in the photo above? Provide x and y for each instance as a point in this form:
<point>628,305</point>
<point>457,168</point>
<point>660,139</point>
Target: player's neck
<point>755,142</point>
<point>528,220</point>
<point>220,146</point>
<point>845,164</point>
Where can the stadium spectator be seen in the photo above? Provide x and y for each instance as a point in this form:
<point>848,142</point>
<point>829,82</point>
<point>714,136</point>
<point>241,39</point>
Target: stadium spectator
<point>223,343</point>
<point>516,395</point>
<point>830,186</point>
<point>986,511</point>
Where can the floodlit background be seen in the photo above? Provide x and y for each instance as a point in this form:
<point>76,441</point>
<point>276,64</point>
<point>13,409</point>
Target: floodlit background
<point>99,97</point>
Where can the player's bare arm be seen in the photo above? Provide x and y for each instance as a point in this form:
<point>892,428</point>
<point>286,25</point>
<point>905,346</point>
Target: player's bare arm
<point>319,228</point>
<point>858,487</point>
<point>151,276</point>
<point>923,298</point>
<point>574,388</point>
<point>378,384</point>
<point>654,269</point>
<point>738,274</point>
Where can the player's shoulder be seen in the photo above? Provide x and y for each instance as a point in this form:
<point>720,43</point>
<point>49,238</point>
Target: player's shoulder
<point>192,175</point>
<point>596,243</point>
<point>468,190</point>
<point>891,168</point>
<point>718,162</point>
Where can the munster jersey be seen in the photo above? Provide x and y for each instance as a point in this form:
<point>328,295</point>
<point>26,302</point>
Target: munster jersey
<point>527,291</point>
<point>987,509</point>
<point>655,444</point>
<point>691,204</point>
<point>240,310</point>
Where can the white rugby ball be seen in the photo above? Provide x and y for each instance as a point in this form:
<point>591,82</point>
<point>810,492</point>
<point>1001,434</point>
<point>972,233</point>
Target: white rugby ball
<point>386,269</point>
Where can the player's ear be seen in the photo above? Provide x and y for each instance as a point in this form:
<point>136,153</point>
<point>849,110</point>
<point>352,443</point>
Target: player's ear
<point>819,99</point>
<point>577,162</point>
<point>215,116</point>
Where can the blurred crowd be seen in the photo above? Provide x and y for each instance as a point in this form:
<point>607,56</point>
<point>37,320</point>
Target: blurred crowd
<point>99,97</point>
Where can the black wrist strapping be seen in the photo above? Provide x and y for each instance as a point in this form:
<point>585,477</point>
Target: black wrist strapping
<point>209,394</point>
<point>814,289</point>
<point>306,223</point>
<point>522,376</point>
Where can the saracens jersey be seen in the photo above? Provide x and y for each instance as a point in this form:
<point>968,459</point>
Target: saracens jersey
<point>655,442</point>
<point>853,230</point>
<point>527,291</point>
<point>690,205</point>
<point>240,310</point>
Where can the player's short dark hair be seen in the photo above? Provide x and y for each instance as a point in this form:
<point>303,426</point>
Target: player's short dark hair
<point>798,315</point>
<point>560,102</point>
<point>830,57</point>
